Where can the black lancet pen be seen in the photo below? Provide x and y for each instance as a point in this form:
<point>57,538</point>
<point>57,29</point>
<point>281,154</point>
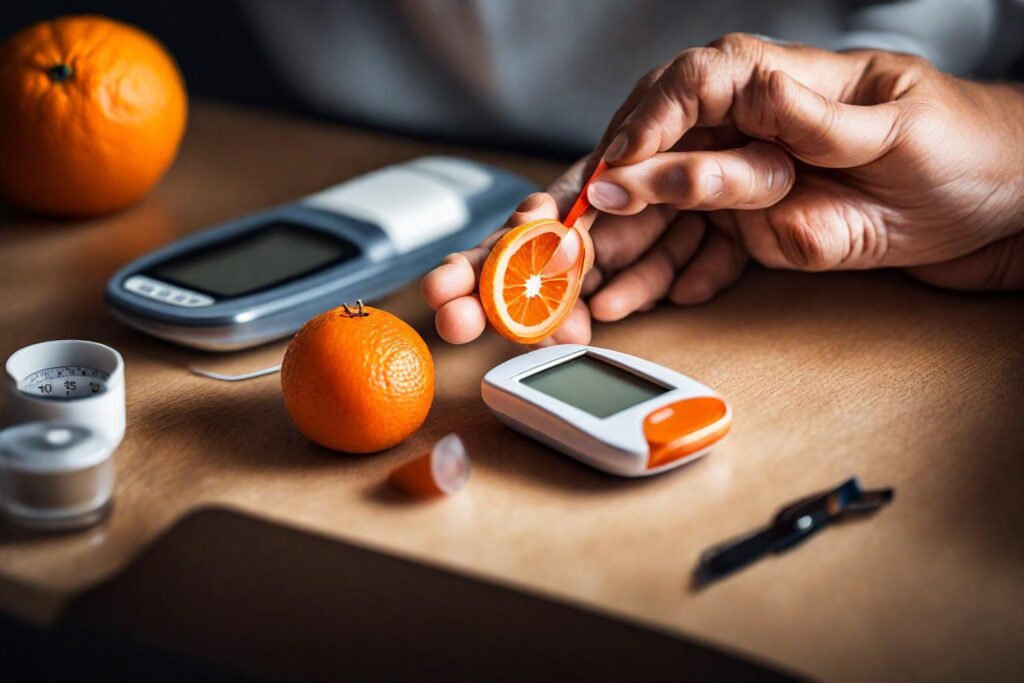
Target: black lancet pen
<point>792,525</point>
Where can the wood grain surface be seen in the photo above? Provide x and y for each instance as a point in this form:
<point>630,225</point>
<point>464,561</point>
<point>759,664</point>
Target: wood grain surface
<point>829,375</point>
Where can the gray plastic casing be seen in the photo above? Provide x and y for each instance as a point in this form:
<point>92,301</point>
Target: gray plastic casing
<point>382,267</point>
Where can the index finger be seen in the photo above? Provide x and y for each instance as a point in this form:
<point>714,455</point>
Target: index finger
<point>703,86</point>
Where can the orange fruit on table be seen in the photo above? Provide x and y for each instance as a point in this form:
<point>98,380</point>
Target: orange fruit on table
<point>523,301</point>
<point>91,115</point>
<point>357,379</point>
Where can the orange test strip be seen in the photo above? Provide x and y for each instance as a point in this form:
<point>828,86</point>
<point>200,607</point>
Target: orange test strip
<point>582,203</point>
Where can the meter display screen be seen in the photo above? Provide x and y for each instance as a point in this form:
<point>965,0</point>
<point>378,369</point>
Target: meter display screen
<point>261,259</point>
<point>593,385</point>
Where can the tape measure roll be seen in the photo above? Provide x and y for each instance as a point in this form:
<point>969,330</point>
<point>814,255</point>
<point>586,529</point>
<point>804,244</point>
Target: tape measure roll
<point>69,381</point>
<point>66,400</point>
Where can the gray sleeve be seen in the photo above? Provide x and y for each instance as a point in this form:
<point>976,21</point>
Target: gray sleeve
<point>957,36</point>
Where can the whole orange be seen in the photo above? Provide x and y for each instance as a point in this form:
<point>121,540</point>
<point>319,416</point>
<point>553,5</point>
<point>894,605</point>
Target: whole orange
<point>357,380</point>
<point>91,115</point>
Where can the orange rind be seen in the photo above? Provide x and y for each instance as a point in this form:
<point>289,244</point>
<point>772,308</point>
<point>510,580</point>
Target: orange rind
<point>357,379</point>
<point>524,290</point>
<point>523,301</point>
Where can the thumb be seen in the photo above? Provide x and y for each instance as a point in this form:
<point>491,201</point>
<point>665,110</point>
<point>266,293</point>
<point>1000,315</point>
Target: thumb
<point>813,128</point>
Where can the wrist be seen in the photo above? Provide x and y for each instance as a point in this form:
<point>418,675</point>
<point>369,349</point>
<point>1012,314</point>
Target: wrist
<point>1008,102</point>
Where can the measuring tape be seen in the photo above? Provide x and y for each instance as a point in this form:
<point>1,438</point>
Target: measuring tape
<point>67,401</point>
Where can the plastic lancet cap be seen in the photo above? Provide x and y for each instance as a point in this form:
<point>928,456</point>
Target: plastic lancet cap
<point>450,464</point>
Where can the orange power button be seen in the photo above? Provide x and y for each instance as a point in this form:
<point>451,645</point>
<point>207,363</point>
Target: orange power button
<point>685,427</point>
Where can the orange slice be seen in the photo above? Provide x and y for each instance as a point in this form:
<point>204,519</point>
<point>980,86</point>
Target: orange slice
<point>523,302</point>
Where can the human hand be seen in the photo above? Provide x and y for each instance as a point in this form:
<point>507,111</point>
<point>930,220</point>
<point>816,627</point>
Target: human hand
<point>451,289</point>
<point>898,164</point>
<point>716,131</point>
<point>636,263</point>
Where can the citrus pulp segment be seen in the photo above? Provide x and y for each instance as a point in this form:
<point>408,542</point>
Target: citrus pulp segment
<point>523,301</point>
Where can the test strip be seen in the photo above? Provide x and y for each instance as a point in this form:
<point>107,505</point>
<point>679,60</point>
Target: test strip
<point>582,203</point>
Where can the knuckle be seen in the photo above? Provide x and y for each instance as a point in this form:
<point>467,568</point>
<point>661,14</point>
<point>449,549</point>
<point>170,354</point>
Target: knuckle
<point>519,217</point>
<point>691,69</point>
<point>531,202</point>
<point>678,185</point>
<point>697,287</point>
<point>777,91</point>
<point>453,259</point>
<point>701,81</point>
<point>915,63</point>
<point>804,244</point>
<point>900,72</point>
<point>737,43</point>
<point>766,100</point>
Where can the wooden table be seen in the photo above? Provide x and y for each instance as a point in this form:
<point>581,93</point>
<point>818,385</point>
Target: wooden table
<point>829,375</point>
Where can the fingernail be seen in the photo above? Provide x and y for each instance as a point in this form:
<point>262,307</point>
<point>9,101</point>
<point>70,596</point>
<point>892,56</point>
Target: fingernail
<point>777,177</point>
<point>617,147</point>
<point>605,195</point>
<point>713,184</point>
<point>566,255</point>
<point>530,203</point>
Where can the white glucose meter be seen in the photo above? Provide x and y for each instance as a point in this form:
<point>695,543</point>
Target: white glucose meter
<point>258,278</point>
<point>610,410</point>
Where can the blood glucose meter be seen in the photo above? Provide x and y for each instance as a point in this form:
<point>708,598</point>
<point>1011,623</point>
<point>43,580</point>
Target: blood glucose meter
<point>259,278</point>
<point>610,410</point>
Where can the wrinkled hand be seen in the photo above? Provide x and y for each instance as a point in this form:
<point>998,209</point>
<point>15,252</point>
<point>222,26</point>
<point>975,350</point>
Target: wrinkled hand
<point>639,259</point>
<point>799,157</point>
<point>896,163</point>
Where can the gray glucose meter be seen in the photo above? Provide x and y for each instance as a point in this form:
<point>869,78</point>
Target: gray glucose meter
<point>260,277</point>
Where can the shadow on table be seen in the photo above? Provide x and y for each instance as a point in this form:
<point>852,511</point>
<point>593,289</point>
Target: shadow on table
<point>257,597</point>
<point>235,426</point>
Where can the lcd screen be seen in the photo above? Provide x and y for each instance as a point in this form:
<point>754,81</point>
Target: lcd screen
<point>264,258</point>
<point>593,385</point>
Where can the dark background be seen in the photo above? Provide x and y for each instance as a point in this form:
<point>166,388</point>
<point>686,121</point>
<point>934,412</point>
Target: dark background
<point>220,56</point>
<point>220,59</point>
<point>217,51</point>
<point>211,41</point>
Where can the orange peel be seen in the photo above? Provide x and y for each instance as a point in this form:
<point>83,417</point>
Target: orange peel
<point>524,302</point>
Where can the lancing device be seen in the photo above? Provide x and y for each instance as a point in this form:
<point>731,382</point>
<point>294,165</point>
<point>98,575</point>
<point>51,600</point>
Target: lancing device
<point>792,525</point>
<point>258,278</point>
